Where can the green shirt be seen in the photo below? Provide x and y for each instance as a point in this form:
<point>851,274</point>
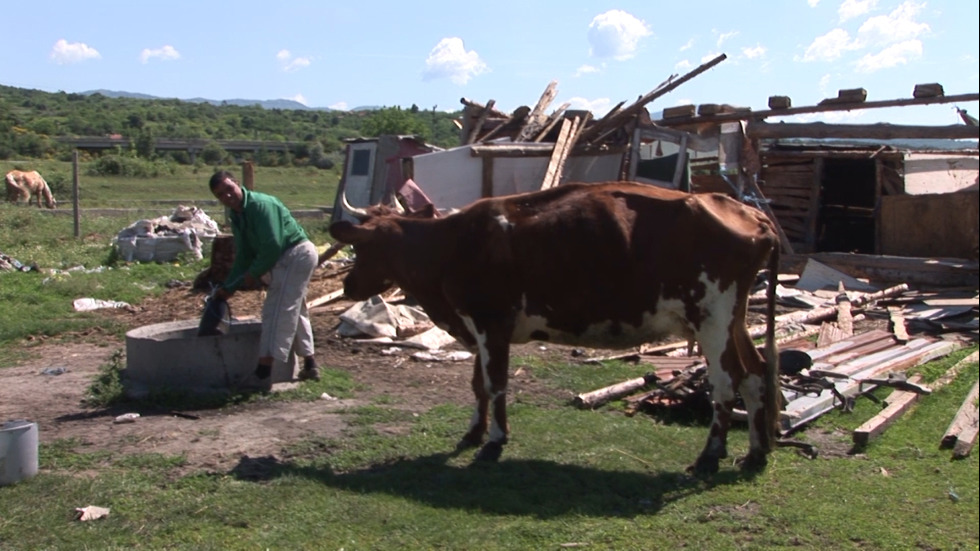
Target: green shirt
<point>262,231</point>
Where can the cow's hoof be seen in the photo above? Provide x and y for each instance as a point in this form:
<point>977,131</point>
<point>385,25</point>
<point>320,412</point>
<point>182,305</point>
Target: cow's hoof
<point>754,462</point>
<point>706,465</point>
<point>490,452</point>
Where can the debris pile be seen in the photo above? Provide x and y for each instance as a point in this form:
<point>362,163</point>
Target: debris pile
<point>824,364</point>
<point>163,239</point>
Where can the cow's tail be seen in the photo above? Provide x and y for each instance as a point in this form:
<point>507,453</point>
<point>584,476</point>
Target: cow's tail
<point>774,395</point>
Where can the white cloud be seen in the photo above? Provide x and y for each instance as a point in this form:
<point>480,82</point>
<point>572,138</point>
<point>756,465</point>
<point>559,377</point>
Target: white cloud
<point>290,64</point>
<point>340,106</point>
<point>616,34</point>
<point>709,56</point>
<point>849,9</point>
<point>892,56</point>
<point>449,59</point>
<point>300,98</point>
<point>682,64</point>
<point>687,45</point>
<point>165,53</point>
<point>599,106</point>
<point>898,26</point>
<point>586,70</point>
<point>812,3</point>
<point>830,46</point>
<point>752,53</point>
<point>65,52</point>
<point>723,37</point>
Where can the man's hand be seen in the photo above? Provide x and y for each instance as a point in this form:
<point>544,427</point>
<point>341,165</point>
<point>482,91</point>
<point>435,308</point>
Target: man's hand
<point>222,294</point>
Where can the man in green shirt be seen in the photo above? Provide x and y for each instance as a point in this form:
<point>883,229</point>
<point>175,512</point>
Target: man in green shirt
<point>269,241</point>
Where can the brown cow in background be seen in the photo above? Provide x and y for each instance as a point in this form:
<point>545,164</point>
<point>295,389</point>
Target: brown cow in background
<point>25,185</point>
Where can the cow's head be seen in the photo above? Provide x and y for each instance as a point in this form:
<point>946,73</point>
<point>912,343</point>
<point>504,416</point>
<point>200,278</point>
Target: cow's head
<point>374,239</point>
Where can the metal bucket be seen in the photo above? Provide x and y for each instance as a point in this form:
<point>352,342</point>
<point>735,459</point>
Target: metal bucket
<point>18,451</point>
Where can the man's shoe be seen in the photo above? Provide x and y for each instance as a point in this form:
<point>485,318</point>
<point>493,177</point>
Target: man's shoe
<point>310,371</point>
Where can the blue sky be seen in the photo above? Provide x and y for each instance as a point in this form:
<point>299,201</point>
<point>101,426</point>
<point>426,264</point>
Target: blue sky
<point>433,53</point>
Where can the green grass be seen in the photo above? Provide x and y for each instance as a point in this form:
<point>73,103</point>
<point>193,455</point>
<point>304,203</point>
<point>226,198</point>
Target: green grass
<point>597,479</point>
<point>71,267</point>
<point>568,479</point>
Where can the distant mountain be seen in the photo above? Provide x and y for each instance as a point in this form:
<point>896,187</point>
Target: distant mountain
<point>265,104</point>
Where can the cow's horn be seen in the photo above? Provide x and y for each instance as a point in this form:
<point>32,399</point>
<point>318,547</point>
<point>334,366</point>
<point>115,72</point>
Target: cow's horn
<point>399,208</point>
<point>359,213</point>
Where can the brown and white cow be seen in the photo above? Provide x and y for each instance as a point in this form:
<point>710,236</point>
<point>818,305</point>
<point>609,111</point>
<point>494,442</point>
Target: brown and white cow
<point>22,186</point>
<point>606,265</point>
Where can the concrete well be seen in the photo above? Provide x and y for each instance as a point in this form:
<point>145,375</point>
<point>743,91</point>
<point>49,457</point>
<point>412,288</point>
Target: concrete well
<point>171,357</point>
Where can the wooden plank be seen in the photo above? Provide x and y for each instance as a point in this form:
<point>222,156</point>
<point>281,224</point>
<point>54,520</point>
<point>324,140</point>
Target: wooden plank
<point>897,323</point>
<point>806,408</point>
<point>478,125</point>
<point>800,203</point>
<point>563,146</point>
<point>898,402</point>
<point>798,189</point>
<point>954,371</point>
<point>853,367</point>
<point>600,396</point>
<point>536,119</point>
<point>633,109</point>
<point>329,297</point>
<point>966,418</point>
<point>759,115</point>
<point>934,271</point>
<point>880,131</point>
<point>553,120</point>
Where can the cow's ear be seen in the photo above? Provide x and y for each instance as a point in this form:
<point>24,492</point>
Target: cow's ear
<point>346,232</point>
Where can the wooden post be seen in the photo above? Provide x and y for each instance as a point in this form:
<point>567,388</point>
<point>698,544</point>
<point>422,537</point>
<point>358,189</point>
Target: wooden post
<point>74,192</point>
<point>248,175</point>
<point>486,187</point>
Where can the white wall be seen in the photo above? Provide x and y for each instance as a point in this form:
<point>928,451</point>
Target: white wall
<point>454,178</point>
<point>939,173</point>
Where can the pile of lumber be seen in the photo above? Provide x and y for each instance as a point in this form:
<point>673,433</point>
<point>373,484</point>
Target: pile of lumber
<point>817,376</point>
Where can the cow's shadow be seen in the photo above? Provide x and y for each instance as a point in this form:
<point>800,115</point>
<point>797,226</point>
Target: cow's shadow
<point>543,489</point>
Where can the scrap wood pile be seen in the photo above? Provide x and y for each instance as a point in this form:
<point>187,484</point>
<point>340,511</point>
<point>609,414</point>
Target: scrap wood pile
<point>564,130</point>
<point>824,364</point>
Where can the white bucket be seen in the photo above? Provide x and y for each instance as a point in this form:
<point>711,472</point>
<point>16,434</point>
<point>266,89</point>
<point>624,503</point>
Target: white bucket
<point>18,451</point>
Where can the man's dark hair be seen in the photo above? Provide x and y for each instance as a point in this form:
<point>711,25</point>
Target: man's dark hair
<point>220,177</point>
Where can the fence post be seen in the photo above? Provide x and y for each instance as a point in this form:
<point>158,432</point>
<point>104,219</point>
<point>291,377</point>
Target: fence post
<point>74,191</point>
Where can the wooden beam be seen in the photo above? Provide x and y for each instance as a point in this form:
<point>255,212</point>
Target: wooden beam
<point>964,426</point>
<point>629,112</point>
<point>954,371</point>
<point>553,120</point>
<point>961,98</point>
<point>898,402</point>
<point>478,125</point>
<point>563,145</point>
<point>537,119</point>
<point>882,131</point>
<point>598,397</point>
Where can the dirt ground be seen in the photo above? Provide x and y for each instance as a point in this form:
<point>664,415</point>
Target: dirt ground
<point>216,440</point>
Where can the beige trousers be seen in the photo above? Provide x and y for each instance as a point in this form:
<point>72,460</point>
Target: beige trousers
<point>285,320</point>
